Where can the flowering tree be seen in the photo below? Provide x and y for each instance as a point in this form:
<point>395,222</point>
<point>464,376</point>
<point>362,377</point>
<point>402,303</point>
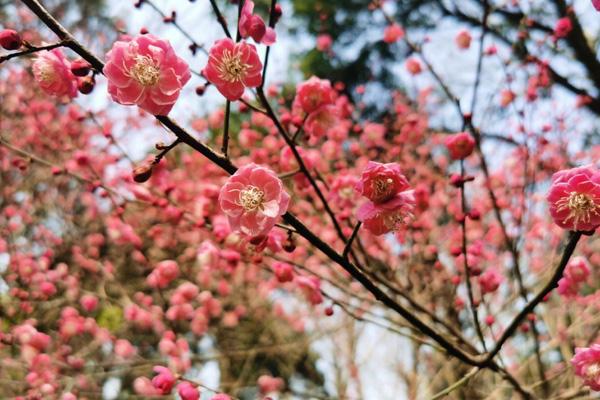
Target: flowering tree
<point>323,212</point>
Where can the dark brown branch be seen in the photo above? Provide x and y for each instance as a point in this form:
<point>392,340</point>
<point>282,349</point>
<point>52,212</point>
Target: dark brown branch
<point>550,285</point>
<point>31,50</point>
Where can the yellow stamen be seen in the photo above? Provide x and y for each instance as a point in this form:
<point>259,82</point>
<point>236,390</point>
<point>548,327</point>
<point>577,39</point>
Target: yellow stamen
<point>581,207</point>
<point>251,198</point>
<point>145,71</point>
<point>231,68</point>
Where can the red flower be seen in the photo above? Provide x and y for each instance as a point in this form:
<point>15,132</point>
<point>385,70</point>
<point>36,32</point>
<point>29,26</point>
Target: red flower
<point>253,26</point>
<point>164,381</point>
<point>393,33</point>
<point>313,94</point>
<point>460,145</point>
<point>389,216</point>
<point>380,182</point>
<point>587,365</point>
<point>232,67</point>
<point>574,199</point>
<point>563,27</point>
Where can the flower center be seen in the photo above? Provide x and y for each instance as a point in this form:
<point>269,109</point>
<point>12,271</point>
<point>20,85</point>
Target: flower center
<point>251,198</point>
<point>592,371</point>
<point>47,73</point>
<point>382,188</point>
<point>396,219</point>
<point>581,206</point>
<point>231,68</point>
<point>145,71</point>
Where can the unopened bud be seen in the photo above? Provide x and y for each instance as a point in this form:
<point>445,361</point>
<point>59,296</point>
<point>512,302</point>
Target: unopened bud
<point>10,39</point>
<point>142,173</point>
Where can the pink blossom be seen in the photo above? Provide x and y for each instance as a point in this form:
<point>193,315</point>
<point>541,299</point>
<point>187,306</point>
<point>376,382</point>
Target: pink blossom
<point>164,381</point>
<point>413,66</point>
<point>389,216</point>
<point>253,199</point>
<point>596,4</point>
<point>574,199</point>
<point>393,33</point>
<point>284,272</point>
<point>577,269</point>
<point>563,27</point>
<point>251,25</point>
<point>587,365</point>
<point>220,396</point>
<point>52,71</point>
<point>313,93</point>
<point>269,384</point>
<point>460,145</point>
<point>10,39</point>
<point>187,391</point>
<point>490,280</point>
<point>163,274</point>
<point>311,287</point>
<point>463,39</point>
<point>144,387</point>
<point>89,302</point>
<point>324,42</point>
<point>381,182</point>
<point>232,67</point>
<point>145,71</point>
<point>124,348</point>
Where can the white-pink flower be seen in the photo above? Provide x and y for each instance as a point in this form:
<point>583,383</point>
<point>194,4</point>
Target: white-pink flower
<point>52,71</point>
<point>253,199</point>
<point>145,71</point>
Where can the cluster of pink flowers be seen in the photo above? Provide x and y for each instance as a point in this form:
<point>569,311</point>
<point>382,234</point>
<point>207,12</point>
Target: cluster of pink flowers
<point>253,199</point>
<point>587,365</point>
<point>574,198</point>
<point>576,273</point>
<point>145,71</point>
<point>315,102</point>
<point>252,25</point>
<point>390,204</point>
<point>52,71</point>
<point>232,67</point>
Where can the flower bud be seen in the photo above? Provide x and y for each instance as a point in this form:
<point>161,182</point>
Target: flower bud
<point>86,85</point>
<point>80,67</point>
<point>10,39</point>
<point>142,173</point>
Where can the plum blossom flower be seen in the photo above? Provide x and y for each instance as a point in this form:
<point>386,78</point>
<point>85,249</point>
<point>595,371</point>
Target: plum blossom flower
<point>164,381</point>
<point>587,365</point>
<point>393,33</point>
<point>251,25</point>
<point>312,94</point>
<point>253,198</point>
<point>390,204</point>
<point>596,4</point>
<point>52,71</point>
<point>187,391</point>
<point>463,39</point>
<point>269,384</point>
<point>324,42</point>
<point>380,182</point>
<point>460,145</point>
<point>164,272</point>
<point>490,280</point>
<point>145,71</point>
<point>413,66</point>
<point>232,67</point>
<point>563,27</point>
<point>380,218</point>
<point>574,199</point>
